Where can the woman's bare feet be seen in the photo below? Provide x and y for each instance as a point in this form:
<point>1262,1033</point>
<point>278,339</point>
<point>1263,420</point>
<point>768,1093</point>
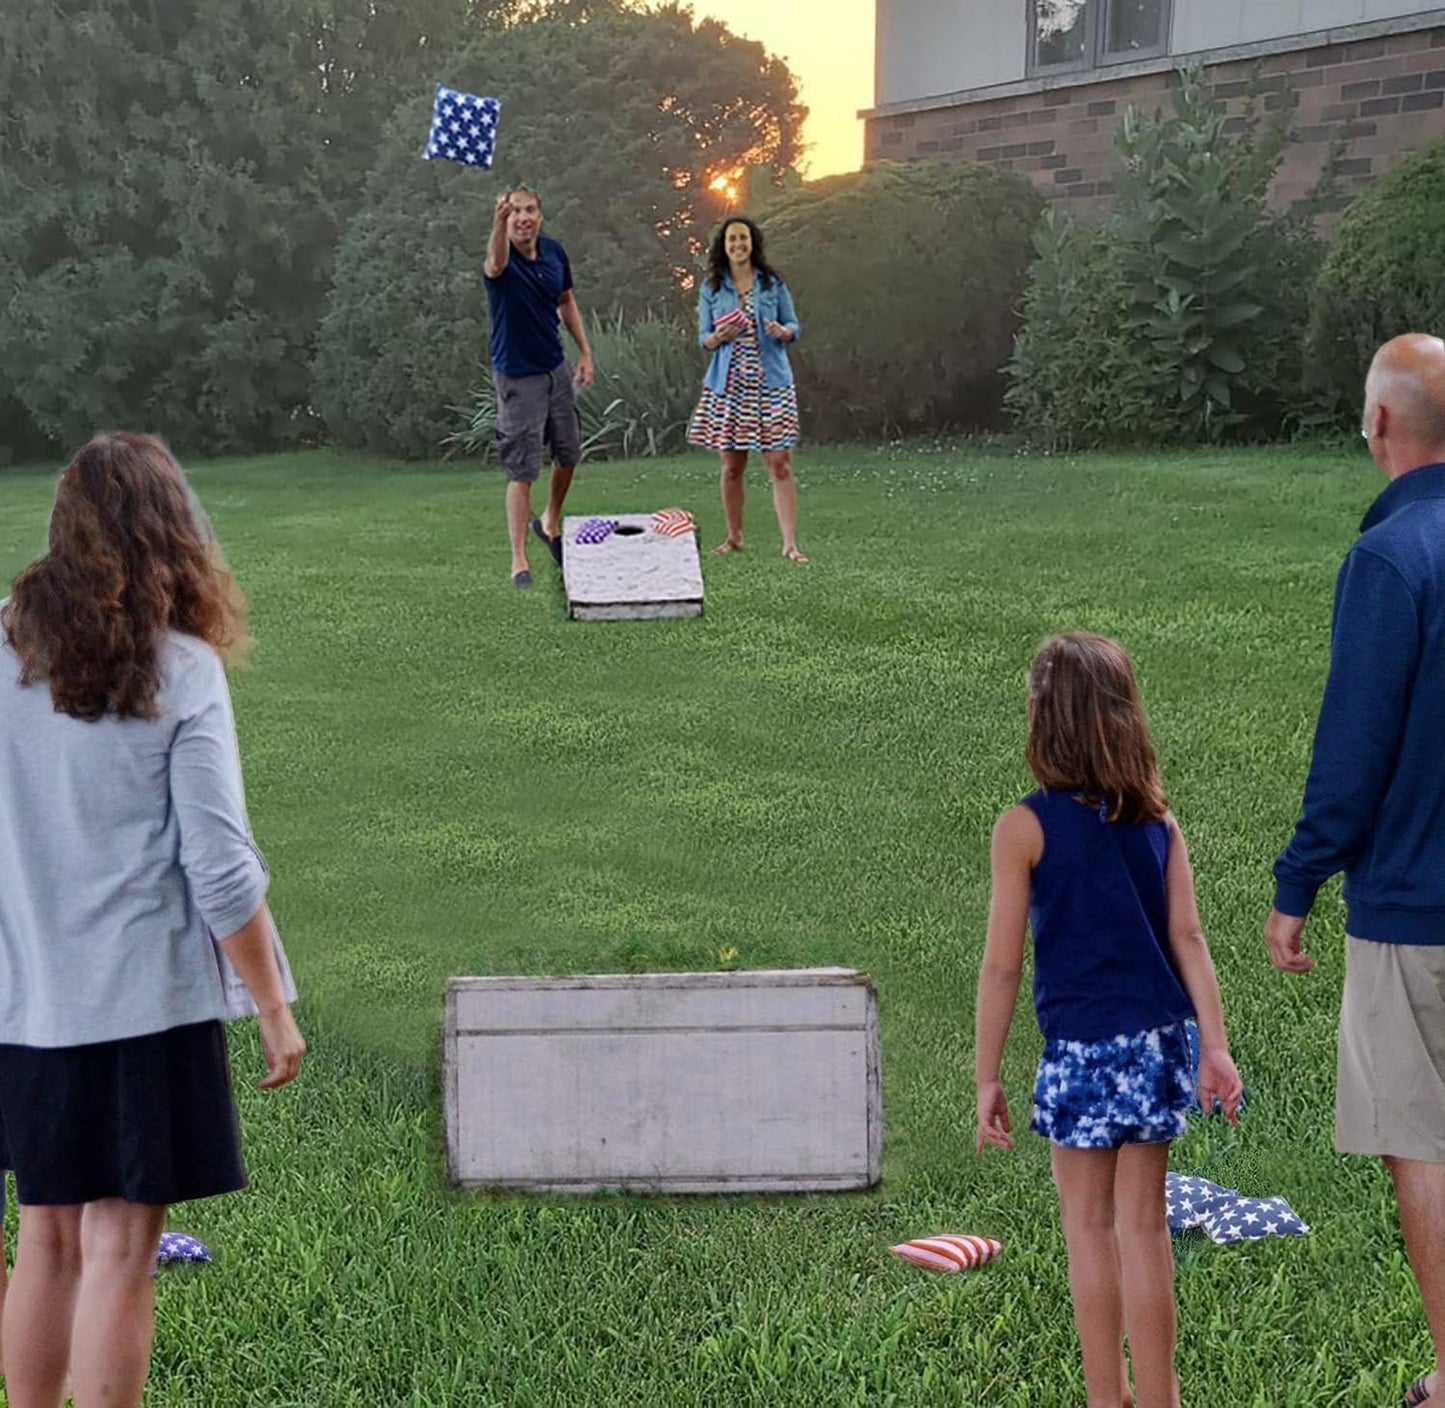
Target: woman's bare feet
<point>728,545</point>
<point>793,555</point>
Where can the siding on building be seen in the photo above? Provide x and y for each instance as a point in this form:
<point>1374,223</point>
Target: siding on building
<point>1381,94</point>
<point>929,47</point>
<point>933,48</point>
<point>1219,24</point>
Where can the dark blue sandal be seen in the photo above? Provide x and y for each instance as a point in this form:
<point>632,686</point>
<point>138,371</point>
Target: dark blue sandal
<point>554,545</point>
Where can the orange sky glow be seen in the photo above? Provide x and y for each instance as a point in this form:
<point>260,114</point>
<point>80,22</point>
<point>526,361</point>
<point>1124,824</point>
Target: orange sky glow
<point>828,45</point>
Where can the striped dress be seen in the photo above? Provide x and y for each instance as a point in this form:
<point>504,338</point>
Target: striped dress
<point>747,415</point>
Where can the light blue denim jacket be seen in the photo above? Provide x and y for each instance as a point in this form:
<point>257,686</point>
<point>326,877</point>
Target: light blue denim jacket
<point>774,303</point>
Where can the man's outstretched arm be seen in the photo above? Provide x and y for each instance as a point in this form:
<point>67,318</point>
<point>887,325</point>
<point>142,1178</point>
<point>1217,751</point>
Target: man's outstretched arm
<point>499,247</point>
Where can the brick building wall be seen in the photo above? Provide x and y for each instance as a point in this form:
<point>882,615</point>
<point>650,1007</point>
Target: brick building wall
<point>1384,95</point>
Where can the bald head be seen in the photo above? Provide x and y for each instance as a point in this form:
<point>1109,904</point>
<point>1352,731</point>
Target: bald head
<point>1405,403</point>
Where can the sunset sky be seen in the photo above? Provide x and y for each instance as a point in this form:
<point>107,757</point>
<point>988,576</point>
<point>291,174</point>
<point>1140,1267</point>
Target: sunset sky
<point>828,45</point>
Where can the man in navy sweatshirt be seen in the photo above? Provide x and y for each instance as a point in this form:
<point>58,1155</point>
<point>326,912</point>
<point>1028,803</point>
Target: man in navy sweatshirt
<point>1374,807</point>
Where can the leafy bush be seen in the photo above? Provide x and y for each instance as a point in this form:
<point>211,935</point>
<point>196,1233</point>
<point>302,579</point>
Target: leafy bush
<point>907,279</point>
<point>652,107</point>
<point>649,372</point>
<point>1073,383</point>
<point>1385,275</point>
<point>1179,320</point>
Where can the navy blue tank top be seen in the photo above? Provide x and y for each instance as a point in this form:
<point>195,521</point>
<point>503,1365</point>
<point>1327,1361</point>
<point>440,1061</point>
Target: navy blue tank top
<point>1099,912</point>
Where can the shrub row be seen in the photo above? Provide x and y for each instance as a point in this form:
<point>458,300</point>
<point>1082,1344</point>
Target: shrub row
<point>1197,314</point>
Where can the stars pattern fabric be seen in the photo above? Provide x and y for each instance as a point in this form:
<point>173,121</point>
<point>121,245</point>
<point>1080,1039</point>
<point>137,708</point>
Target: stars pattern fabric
<point>176,1246</point>
<point>1129,1089</point>
<point>595,530</point>
<point>463,128</point>
<point>1223,1215</point>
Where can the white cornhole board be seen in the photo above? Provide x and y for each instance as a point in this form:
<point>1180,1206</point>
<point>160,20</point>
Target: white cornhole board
<point>748,1082</point>
<point>634,574</point>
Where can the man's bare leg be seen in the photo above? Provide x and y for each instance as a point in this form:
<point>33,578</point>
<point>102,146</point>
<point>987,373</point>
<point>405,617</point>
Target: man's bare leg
<point>1420,1193</point>
<point>519,518</point>
<point>556,492</point>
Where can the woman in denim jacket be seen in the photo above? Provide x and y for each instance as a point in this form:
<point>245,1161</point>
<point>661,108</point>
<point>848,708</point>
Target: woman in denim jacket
<point>745,318</point>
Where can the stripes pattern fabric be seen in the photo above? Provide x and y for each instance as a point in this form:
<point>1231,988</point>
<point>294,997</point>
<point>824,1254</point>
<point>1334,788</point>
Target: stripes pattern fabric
<point>673,522</point>
<point>747,415</point>
<point>736,318</point>
<point>949,1252</point>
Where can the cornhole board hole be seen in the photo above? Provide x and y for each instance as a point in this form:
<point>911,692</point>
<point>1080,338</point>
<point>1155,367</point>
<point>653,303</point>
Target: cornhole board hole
<point>634,574</point>
<point>746,1082</point>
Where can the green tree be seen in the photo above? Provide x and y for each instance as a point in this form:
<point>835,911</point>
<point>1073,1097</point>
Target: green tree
<point>622,120</point>
<point>173,177</point>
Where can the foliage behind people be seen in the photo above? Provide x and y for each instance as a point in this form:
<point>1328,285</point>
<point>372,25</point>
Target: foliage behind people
<point>1384,276</point>
<point>911,274</point>
<point>621,122</point>
<point>1181,319</point>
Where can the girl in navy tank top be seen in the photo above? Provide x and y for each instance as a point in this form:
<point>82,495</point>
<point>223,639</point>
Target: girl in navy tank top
<point>1095,865</point>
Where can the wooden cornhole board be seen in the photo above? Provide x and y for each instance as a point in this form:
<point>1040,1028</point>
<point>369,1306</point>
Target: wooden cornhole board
<point>747,1082</point>
<point>634,574</point>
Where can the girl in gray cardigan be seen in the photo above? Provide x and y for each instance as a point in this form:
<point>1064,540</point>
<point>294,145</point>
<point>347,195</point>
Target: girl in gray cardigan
<point>132,911</point>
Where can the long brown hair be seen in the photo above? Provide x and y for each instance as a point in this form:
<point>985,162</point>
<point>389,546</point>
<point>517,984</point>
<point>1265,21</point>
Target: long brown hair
<point>131,555</point>
<point>1087,730</point>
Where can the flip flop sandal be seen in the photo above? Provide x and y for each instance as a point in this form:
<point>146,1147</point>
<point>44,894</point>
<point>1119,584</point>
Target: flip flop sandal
<point>554,545</point>
<point>1415,1395</point>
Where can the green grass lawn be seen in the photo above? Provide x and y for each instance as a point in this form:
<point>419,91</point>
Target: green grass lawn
<point>449,777</point>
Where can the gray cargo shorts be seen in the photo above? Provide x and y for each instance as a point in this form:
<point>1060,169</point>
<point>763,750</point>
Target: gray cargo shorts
<point>533,411</point>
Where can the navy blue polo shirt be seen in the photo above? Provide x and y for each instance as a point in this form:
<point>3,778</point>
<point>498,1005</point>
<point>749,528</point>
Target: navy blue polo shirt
<point>522,301</point>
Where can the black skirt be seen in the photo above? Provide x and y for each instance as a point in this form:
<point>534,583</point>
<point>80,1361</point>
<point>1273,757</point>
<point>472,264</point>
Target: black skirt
<point>150,1119</point>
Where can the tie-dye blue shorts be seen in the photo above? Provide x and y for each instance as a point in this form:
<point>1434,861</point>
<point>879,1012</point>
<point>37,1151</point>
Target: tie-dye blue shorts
<point>1131,1089</point>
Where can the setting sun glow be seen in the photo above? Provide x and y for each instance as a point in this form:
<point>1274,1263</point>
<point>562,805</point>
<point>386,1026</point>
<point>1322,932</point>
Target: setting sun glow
<point>828,45</point>
<point>725,185</point>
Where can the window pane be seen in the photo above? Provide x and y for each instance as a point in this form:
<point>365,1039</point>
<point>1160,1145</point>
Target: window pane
<point>1134,24</point>
<point>1059,31</point>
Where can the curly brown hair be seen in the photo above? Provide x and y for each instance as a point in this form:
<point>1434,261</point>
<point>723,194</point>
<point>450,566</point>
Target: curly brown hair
<point>717,254</point>
<point>1087,730</point>
<point>131,555</point>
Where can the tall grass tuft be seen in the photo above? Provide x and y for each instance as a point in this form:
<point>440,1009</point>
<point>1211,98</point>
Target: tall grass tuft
<point>648,375</point>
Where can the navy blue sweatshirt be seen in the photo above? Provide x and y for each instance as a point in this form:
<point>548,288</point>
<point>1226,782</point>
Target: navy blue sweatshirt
<point>1374,805</point>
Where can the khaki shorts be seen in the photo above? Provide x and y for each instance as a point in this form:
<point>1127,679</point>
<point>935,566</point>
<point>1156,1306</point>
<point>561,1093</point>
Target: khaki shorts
<point>1390,1097</point>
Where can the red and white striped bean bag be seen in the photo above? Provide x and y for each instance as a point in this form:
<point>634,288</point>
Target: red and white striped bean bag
<point>948,1253</point>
